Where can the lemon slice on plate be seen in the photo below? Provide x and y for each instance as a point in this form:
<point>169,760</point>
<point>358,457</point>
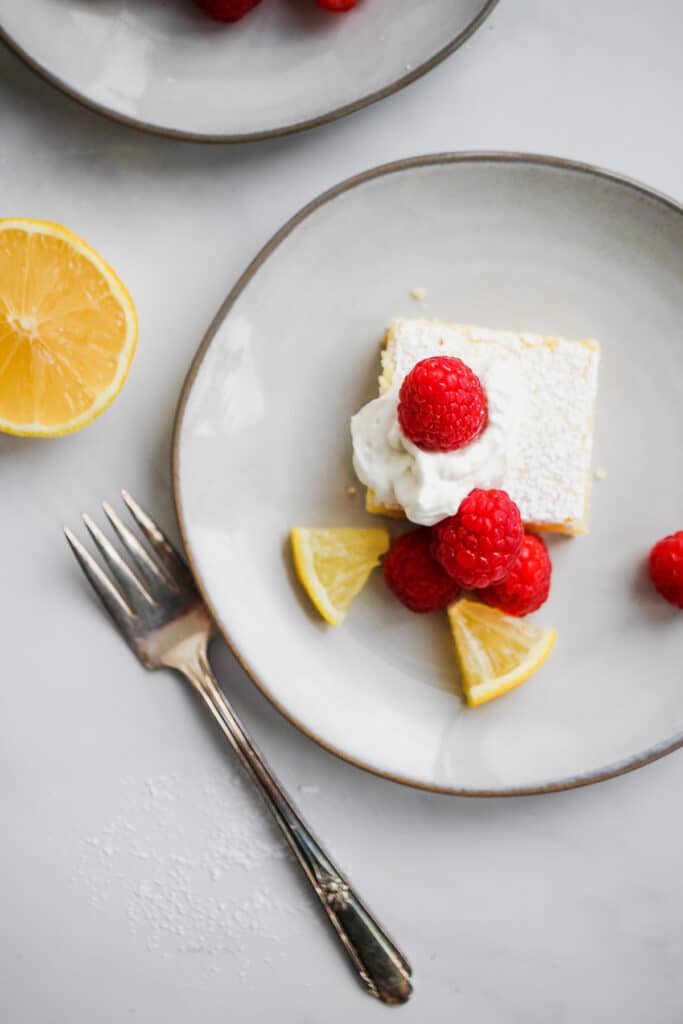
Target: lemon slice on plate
<point>68,330</point>
<point>334,564</point>
<point>496,652</point>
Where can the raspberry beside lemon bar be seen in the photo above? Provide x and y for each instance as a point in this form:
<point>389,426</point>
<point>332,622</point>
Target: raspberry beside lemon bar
<point>546,463</point>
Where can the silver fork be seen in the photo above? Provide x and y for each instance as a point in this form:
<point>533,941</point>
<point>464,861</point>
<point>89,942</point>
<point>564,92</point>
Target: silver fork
<point>153,600</point>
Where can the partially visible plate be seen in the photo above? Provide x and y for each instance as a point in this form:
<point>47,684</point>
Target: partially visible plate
<point>262,443</point>
<point>164,66</point>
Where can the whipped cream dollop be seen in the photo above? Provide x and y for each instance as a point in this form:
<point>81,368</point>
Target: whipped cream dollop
<point>431,485</point>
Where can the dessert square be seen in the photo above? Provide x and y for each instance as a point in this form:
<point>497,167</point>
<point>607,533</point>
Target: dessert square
<point>538,443</point>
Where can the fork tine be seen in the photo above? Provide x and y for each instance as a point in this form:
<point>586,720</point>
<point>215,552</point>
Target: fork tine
<point>119,610</point>
<point>120,571</point>
<point>141,559</point>
<point>172,562</point>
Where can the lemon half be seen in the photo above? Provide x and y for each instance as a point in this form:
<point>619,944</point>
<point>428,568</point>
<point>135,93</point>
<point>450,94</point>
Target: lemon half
<point>68,330</point>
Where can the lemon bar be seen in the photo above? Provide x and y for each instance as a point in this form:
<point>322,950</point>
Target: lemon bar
<point>537,445</point>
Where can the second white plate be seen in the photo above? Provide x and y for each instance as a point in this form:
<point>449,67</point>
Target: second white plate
<point>262,443</point>
<point>164,66</point>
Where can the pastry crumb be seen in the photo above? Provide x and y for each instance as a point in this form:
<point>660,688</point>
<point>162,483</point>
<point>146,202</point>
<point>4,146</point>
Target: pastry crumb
<point>600,473</point>
<point>351,491</point>
<point>419,293</point>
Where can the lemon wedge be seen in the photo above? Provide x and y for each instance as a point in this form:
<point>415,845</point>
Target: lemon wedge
<point>68,330</point>
<point>496,652</point>
<point>334,564</point>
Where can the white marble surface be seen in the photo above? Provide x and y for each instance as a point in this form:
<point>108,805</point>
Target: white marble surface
<point>140,881</point>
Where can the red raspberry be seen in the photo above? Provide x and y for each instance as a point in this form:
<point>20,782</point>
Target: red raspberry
<point>666,568</point>
<point>527,585</point>
<point>337,5</point>
<point>413,575</point>
<point>479,545</point>
<point>227,10</point>
<point>442,405</point>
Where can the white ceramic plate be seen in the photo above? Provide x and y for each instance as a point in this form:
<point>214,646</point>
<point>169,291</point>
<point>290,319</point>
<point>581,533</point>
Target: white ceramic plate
<point>165,66</point>
<point>262,443</point>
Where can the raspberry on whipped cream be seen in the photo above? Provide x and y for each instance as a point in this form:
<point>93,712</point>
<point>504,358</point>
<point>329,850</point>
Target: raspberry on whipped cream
<point>442,405</point>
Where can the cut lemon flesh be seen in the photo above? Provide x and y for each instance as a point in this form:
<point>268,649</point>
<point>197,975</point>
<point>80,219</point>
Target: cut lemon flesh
<point>68,330</point>
<point>334,564</point>
<point>496,652</point>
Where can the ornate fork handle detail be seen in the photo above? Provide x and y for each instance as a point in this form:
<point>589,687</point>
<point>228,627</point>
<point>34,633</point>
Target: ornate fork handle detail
<point>336,892</point>
<point>382,967</point>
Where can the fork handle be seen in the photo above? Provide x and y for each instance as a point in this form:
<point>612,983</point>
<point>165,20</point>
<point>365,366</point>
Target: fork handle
<point>383,969</point>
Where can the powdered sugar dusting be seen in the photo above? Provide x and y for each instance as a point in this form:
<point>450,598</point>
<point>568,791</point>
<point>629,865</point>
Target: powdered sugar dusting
<point>180,885</point>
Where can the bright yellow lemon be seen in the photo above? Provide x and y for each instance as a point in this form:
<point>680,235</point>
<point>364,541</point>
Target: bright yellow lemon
<point>68,330</point>
<point>496,652</point>
<point>334,564</point>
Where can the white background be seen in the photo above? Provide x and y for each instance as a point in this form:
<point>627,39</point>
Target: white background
<point>139,879</point>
